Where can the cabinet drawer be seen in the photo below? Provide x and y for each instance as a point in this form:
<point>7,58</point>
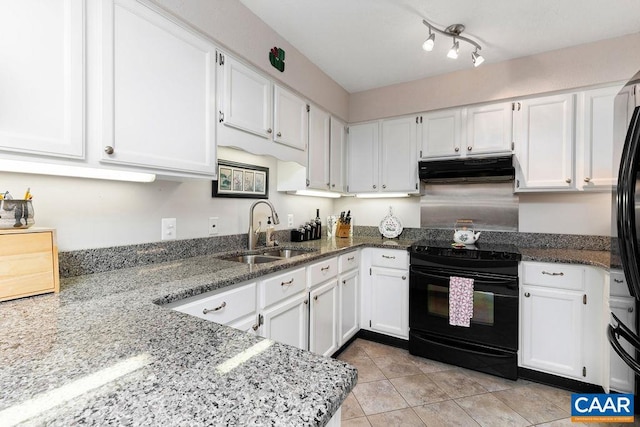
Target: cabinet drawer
<point>322,271</point>
<point>224,307</point>
<point>348,261</point>
<point>282,286</point>
<point>391,258</point>
<point>618,284</point>
<point>28,264</point>
<point>553,275</point>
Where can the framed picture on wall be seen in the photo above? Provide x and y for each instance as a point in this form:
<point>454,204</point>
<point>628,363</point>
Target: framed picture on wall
<point>241,180</point>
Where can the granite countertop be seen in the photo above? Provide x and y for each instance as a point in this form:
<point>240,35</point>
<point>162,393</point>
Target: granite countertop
<point>112,322</point>
<point>172,368</point>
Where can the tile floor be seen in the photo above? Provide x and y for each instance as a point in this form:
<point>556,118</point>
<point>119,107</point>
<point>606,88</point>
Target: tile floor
<point>396,388</point>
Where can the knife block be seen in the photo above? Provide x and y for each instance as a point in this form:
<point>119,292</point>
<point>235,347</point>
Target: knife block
<point>343,230</point>
<point>28,263</point>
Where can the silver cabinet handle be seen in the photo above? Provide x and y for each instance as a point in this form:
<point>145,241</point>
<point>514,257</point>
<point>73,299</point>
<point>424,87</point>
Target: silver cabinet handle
<point>404,277</point>
<point>220,307</point>
<point>333,185</point>
<point>269,130</point>
<point>255,327</point>
<point>456,149</point>
<point>388,257</point>
<point>351,258</point>
<point>375,186</point>
<point>553,274</point>
<point>325,268</point>
<point>279,134</point>
<point>630,309</point>
<point>306,302</point>
<point>315,298</point>
<point>568,180</point>
<point>384,185</point>
<point>587,179</point>
<point>527,294</point>
<point>108,149</point>
<point>286,283</point>
<point>344,282</point>
<point>469,148</point>
<point>618,281</point>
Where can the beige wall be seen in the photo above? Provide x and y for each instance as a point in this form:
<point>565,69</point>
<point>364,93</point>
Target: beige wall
<point>238,30</point>
<point>590,64</point>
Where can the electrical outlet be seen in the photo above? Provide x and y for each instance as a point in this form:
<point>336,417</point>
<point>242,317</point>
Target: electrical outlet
<point>290,220</point>
<point>168,228</point>
<point>213,225</point>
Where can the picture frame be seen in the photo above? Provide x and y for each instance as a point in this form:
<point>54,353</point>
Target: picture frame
<point>241,180</point>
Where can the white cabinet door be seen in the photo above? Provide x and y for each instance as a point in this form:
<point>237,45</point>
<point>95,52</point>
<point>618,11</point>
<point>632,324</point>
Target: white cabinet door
<point>399,166</point>
<point>362,157</point>
<point>621,376</point>
<point>318,152</point>
<point>287,322</point>
<point>545,141</point>
<point>290,119</point>
<point>338,155</point>
<point>551,330</point>
<point>441,134</point>
<point>596,129</point>
<point>489,129</point>
<point>42,83</point>
<point>159,91</point>
<point>323,319</point>
<point>245,101</point>
<point>349,303</point>
<point>389,298</point>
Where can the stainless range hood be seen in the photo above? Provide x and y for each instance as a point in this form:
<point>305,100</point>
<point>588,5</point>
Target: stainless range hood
<point>469,170</point>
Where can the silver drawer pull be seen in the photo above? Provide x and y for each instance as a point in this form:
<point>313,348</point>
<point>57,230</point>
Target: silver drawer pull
<point>404,277</point>
<point>630,309</point>
<point>325,268</point>
<point>286,283</point>
<point>351,258</point>
<point>527,294</point>
<point>220,307</point>
<point>255,327</point>
<point>306,302</point>
<point>344,282</point>
<point>315,298</point>
<point>553,274</point>
<point>618,281</point>
<point>388,257</point>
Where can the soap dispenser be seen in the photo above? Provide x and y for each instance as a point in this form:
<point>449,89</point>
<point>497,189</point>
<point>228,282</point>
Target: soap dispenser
<point>270,230</point>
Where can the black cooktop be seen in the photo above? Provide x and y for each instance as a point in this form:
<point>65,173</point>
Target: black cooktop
<point>481,250</point>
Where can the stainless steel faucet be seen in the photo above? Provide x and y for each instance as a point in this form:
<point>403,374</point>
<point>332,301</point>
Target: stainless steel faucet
<point>253,235</point>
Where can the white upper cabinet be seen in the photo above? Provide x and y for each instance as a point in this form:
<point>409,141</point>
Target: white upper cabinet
<point>245,101</point>
<point>42,84</point>
<point>595,138</point>
<point>441,133</point>
<point>489,129</point>
<point>290,119</point>
<point>319,141</point>
<point>399,166</point>
<point>158,91</point>
<point>338,155</point>
<point>545,142</point>
<point>362,157</point>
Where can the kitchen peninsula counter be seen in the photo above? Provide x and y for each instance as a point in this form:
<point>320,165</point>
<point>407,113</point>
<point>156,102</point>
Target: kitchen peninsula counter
<point>177,368</point>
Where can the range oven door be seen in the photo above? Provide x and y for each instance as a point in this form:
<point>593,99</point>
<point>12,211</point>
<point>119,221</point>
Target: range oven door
<point>495,307</point>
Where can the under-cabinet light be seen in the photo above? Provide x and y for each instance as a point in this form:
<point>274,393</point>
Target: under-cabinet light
<point>315,193</point>
<point>18,166</point>
<point>380,195</point>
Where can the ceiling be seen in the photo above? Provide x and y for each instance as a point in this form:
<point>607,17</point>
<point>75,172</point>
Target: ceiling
<point>364,44</point>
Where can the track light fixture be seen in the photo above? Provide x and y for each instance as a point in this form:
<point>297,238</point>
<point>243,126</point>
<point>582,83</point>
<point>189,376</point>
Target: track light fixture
<point>454,32</point>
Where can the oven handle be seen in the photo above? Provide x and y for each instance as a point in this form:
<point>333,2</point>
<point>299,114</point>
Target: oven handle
<point>621,330</point>
<point>508,282</point>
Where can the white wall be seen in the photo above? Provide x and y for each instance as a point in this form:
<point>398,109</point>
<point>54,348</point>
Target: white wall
<point>92,213</point>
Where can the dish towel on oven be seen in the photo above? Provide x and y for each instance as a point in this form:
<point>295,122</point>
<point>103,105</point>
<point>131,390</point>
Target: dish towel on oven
<point>460,301</point>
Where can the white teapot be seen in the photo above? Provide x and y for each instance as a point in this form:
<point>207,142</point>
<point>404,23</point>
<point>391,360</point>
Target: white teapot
<point>464,233</point>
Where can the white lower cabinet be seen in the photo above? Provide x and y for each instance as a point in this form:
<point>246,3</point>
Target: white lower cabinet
<point>385,292</point>
<point>560,320</point>
<point>323,319</point>
<point>348,297</point>
<point>287,321</point>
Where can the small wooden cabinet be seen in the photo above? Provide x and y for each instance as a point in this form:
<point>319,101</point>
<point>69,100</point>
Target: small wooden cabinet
<point>28,263</point>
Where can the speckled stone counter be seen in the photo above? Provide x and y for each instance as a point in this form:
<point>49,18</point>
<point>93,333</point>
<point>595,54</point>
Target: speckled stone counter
<point>569,256</point>
<point>100,320</point>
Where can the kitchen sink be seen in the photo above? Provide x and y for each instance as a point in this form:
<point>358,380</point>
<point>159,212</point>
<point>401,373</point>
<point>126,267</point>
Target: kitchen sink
<point>265,256</point>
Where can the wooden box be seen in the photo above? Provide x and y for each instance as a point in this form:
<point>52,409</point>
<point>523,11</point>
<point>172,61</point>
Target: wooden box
<point>28,263</point>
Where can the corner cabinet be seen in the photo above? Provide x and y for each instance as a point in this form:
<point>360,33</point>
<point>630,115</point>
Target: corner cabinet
<point>318,163</point>
<point>382,156</point>
<point>158,91</point>
<point>560,320</point>
<point>42,84</point>
<point>338,155</point>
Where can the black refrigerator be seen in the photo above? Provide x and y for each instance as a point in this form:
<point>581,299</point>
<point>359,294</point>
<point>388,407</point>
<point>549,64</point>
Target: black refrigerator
<point>625,245</point>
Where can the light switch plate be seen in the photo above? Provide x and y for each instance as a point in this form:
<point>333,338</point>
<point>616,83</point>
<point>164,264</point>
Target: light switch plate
<point>168,228</point>
<point>290,220</point>
<point>213,225</point>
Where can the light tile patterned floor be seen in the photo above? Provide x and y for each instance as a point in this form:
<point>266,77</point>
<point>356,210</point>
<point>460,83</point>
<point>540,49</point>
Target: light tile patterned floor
<point>397,389</point>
